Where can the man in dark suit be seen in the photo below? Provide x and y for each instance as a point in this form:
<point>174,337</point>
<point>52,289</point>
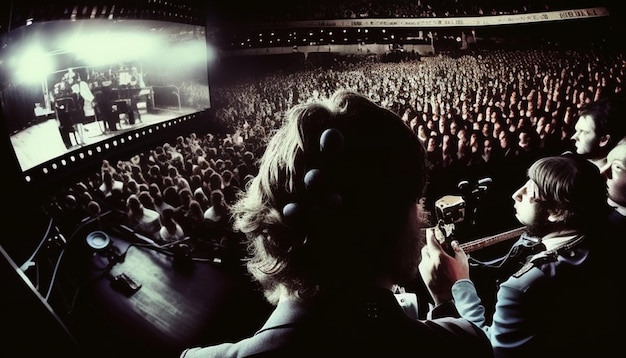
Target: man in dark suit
<point>599,127</point>
<point>543,308</point>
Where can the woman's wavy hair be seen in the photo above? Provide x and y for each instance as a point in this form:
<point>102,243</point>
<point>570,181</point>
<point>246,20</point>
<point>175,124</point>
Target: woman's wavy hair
<point>344,224</point>
<point>574,186</point>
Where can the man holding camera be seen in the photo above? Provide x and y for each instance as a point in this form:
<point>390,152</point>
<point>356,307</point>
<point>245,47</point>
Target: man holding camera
<point>543,308</point>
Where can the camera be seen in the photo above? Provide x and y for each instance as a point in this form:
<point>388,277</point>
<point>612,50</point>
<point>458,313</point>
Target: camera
<point>450,209</point>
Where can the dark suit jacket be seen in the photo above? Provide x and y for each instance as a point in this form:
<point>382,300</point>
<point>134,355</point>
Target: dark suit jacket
<point>355,324</point>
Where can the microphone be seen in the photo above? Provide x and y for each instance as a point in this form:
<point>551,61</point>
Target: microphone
<point>463,185</point>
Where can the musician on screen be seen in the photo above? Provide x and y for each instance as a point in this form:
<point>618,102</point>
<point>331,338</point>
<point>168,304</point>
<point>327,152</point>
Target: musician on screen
<point>70,96</point>
<point>559,301</point>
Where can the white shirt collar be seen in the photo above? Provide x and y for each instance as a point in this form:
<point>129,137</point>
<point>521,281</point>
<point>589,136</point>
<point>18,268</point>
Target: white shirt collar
<point>556,241</point>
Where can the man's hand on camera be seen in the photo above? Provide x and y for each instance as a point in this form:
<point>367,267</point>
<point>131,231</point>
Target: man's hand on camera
<point>440,270</point>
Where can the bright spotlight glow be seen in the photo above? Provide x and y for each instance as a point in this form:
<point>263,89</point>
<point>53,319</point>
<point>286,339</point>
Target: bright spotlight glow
<point>189,52</point>
<point>33,65</point>
<point>102,48</point>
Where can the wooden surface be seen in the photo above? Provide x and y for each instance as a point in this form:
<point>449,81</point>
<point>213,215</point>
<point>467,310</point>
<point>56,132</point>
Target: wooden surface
<point>175,308</point>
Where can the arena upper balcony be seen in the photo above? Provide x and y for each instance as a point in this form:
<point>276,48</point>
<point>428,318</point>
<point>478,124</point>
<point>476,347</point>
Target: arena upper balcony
<point>330,25</point>
<point>240,12</point>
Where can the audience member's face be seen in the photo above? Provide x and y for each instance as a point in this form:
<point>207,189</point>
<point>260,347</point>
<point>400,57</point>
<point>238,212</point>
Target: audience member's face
<point>504,142</point>
<point>454,130</point>
<point>473,138</point>
<point>567,118</point>
<point>524,141</point>
<point>547,128</point>
<point>462,135</point>
<point>541,122</point>
<point>585,138</point>
<point>486,130</point>
<point>432,144</point>
<point>493,116</point>
<point>442,126</point>
<point>487,147</point>
<point>615,172</point>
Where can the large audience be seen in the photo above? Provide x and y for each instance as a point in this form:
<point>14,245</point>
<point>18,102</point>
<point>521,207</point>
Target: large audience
<point>483,114</point>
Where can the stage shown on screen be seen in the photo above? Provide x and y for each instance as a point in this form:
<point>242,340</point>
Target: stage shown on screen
<point>66,84</point>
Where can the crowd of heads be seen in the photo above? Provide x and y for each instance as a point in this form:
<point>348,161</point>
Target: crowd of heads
<point>486,113</point>
<point>475,113</point>
<point>178,190</point>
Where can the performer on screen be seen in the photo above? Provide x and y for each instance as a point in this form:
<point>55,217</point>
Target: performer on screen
<point>70,95</point>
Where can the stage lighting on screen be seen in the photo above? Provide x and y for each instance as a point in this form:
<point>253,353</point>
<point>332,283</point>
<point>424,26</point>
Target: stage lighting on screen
<point>32,65</point>
<point>71,84</point>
